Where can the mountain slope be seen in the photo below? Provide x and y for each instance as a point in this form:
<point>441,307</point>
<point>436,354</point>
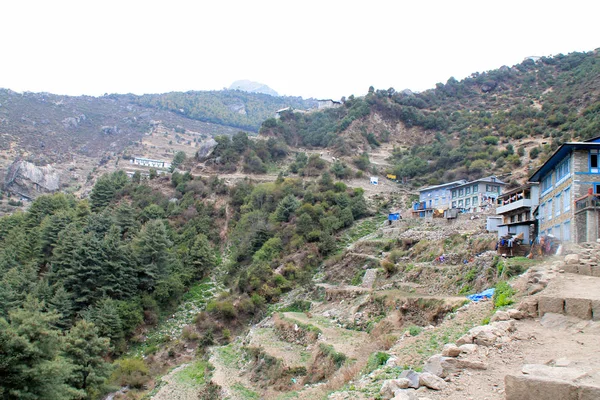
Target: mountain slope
<point>496,121</point>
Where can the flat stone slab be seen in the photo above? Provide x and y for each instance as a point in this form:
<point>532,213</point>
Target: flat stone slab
<point>571,294</point>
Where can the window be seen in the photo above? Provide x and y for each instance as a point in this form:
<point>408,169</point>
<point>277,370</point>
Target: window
<point>566,235</point>
<point>557,231</point>
<point>549,209</point>
<point>460,204</point>
<point>468,190</point>
<point>435,202</point>
<point>460,192</point>
<point>454,204</point>
<point>453,193</point>
<point>467,202</point>
<point>557,208</point>
<point>594,161</point>
<point>563,170</point>
<point>513,218</point>
<point>567,199</point>
<point>475,188</point>
<point>547,182</point>
<point>475,199</point>
<point>542,214</point>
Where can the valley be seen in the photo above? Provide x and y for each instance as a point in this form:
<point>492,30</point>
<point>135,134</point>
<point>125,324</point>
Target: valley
<point>200,245</point>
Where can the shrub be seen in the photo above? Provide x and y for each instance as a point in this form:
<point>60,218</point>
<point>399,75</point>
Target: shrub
<point>503,294</point>
<point>389,267</point>
<point>414,330</point>
<point>131,372</point>
<point>376,359</point>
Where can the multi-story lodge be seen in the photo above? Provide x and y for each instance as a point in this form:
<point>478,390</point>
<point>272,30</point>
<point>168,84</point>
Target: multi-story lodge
<point>569,187</point>
<point>435,198</point>
<point>476,195</point>
<point>516,207</point>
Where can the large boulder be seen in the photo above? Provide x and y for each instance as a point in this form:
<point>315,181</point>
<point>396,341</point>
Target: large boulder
<point>206,148</point>
<point>28,180</point>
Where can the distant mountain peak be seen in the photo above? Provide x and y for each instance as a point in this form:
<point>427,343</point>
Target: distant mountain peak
<point>252,87</point>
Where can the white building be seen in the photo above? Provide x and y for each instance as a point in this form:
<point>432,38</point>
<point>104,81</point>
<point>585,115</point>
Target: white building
<point>147,162</point>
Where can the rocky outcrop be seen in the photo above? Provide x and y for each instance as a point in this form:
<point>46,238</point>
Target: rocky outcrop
<point>206,148</point>
<point>28,180</point>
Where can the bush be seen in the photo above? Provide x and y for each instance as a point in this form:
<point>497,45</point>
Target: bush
<point>414,330</point>
<point>389,267</point>
<point>376,360</point>
<point>503,294</point>
<point>131,372</point>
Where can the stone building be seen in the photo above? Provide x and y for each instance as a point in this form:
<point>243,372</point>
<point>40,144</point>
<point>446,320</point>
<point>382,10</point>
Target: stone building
<point>569,185</point>
<point>516,207</point>
<point>434,198</point>
<point>477,195</point>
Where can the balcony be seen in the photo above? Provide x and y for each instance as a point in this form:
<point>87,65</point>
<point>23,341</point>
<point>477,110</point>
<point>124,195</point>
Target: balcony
<point>514,205</point>
<point>591,201</point>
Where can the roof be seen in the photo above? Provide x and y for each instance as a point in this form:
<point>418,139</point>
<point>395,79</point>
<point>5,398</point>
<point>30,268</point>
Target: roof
<point>490,179</point>
<point>560,153</point>
<point>455,183</point>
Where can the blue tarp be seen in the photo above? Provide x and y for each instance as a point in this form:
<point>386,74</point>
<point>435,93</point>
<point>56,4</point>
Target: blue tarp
<point>394,216</point>
<point>486,294</point>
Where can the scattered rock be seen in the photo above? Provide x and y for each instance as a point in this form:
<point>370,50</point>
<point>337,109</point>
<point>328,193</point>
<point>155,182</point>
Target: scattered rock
<point>405,394</point>
<point>515,314</point>
<point>468,348</point>
<point>432,381</point>
<point>450,350</point>
<point>412,376</point>
<point>572,259</point>
<point>500,316</point>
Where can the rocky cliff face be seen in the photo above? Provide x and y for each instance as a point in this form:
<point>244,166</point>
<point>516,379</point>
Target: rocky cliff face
<point>28,180</point>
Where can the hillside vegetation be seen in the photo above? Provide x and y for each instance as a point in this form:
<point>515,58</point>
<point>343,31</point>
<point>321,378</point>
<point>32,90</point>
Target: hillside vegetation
<point>82,281</point>
<point>466,128</point>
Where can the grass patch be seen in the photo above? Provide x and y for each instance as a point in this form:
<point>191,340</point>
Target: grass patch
<point>228,355</point>
<point>244,392</point>
<point>195,374</point>
<point>375,360</point>
<point>503,294</point>
<point>359,230</point>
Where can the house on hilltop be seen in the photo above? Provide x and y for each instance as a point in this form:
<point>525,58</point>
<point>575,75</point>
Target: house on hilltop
<point>147,162</point>
<point>570,192</point>
<point>328,103</point>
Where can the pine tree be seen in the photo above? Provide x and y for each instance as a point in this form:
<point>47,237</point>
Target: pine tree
<point>151,248</point>
<point>30,363</point>
<point>105,315</point>
<point>62,304</point>
<point>119,275</point>
<point>201,258</point>
<point>86,351</point>
<point>125,217</point>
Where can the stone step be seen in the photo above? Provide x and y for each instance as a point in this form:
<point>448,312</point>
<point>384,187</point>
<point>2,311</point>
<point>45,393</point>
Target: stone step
<point>582,265</point>
<point>571,294</point>
<point>551,382</point>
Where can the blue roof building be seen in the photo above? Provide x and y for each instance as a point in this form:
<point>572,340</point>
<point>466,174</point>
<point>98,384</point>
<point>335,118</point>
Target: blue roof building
<point>569,188</point>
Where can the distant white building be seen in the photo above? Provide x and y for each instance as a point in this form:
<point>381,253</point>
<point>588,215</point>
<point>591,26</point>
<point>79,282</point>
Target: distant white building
<point>328,103</point>
<point>147,162</point>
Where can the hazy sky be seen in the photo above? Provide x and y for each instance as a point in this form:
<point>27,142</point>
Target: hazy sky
<point>323,49</point>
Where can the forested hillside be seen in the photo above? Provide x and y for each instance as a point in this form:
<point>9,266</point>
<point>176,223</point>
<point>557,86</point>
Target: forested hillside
<point>80,278</point>
<point>464,128</point>
<point>235,108</point>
